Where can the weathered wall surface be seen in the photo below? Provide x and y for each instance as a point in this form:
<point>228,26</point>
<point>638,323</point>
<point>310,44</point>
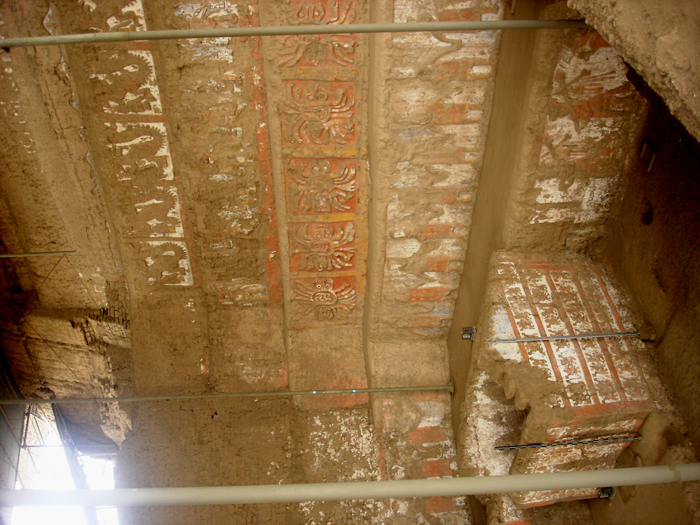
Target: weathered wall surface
<point>566,119</point>
<point>76,353</point>
<point>652,246</point>
<point>317,96</point>
<point>571,390</point>
<point>49,197</point>
<point>660,40</point>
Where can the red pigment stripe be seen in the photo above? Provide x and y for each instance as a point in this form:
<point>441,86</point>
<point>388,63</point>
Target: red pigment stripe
<point>577,347</point>
<point>601,341</point>
<point>543,333</point>
<point>272,264</point>
<point>618,319</point>
<point>514,325</point>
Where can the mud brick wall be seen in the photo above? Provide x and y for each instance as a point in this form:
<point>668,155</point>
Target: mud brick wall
<point>415,441</point>
<point>319,152</point>
<point>66,354</point>
<point>432,119</point>
<point>574,389</point>
<point>49,202</point>
<point>585,120</point>
<point>489,420</point>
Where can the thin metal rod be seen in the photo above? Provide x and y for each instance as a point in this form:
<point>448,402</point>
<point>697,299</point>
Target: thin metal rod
<point>34,254</point>
<point>417,488</point>
<point>599,441</point>
<point>561,337</point>
<point>84,400</point>
<point>19,443</point>
<point>414,27</point>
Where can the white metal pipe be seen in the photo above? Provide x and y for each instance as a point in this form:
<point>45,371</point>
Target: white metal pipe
<point>352,490</point>
<point>123,36</point>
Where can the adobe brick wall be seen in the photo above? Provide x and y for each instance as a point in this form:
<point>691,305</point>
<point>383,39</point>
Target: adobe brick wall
<point>416,441</point>
<point>572,389</point>
<point>49,200</point>
<point>433,112</point>
<point>584,120</point>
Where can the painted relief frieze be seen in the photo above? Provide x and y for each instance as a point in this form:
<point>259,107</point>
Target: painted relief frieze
<point>321,51</point>
<point>167,262</point>
<point>325,11</point>
<point>128,82</point>
<point>141,152</point>
<point>324,298</point>
<point>322,165</point>
<point>133,155</point>
<point>319,113</point>
<point>322,247</point>
<point>321,186</point>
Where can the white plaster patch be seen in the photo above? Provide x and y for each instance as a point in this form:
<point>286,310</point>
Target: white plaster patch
<point>90,5</point>
<point>185,276</point>
<point>408,175</point>
<point>603,71</point>
<point>503,329</point>
<point>456,174</point>
<point>487,423</point>
<point>402,248</point>
<point>450,214</point>
<point>434,413</point>
<point>453,248</point>
<point>588,200</point>
<point>596,199</point>
<point>136,7</point>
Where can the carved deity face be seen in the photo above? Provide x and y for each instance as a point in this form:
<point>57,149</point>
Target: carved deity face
<point>324,294</point>
<point>320,185</point>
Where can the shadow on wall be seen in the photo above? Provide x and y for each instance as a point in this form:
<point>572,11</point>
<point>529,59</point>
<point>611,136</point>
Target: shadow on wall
<point>654,246</point>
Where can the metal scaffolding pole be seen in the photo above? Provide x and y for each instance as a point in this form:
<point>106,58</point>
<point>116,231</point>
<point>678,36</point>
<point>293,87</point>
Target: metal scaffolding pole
<point>125,36</point>
<point>418,488</point>
<point>282,393</point>
<point>33,254</point>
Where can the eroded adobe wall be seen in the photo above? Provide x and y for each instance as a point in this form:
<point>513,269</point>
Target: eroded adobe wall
<point>660,40</point>
<point>651,247</point>
<point>566,390</point>
<point>564,131</point>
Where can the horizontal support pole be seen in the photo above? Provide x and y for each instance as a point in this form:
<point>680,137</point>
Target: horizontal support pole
<point>281,393</point>
<point>419,488</point>
<point>561,337</point>
<point>414,27</point>
<point>34,254</point>
<point>599,441</point>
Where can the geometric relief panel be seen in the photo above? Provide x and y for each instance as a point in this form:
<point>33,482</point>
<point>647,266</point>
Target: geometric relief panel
<point>322,51</point>
<point>329,12</point>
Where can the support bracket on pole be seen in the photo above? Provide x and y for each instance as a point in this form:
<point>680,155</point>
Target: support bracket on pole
<point>469,332</point>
